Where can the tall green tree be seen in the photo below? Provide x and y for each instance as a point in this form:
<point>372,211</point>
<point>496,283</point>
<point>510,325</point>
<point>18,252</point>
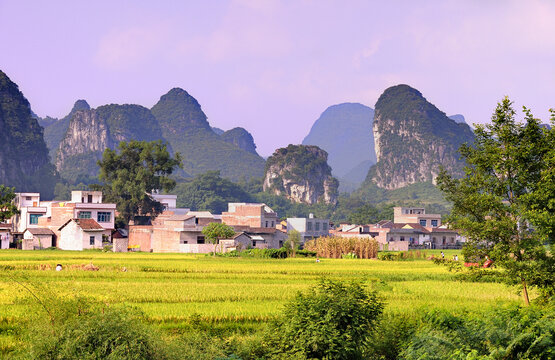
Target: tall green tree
<point>130,173</point>
<point>216,231</point>
<point>292,243</point>
<point>505,173</point>
<point>7,207</point>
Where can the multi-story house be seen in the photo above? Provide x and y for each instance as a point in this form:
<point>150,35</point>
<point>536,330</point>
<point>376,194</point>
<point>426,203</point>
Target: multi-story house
<point>30,210</point>
<point>309,228</point>
<point>251,215</point>
<point>414,215</point>
<point>83,205</point>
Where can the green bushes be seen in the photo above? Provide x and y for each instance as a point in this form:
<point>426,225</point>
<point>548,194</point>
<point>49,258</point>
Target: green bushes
<point>332,320</point>
<point>79,329</point>
<point>403,255</point>
<point>512,333</point>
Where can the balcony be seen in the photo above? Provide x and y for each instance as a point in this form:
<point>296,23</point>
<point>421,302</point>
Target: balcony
<point>101,206</point>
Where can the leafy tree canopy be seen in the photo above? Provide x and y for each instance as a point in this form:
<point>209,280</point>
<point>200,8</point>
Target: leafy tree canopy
<point>216,231</point>
<point>502,201</point>
<point>7,207</point>
<point>132,172</point>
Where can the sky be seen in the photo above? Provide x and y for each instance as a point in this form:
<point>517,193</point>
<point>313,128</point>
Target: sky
<point>272,66</point>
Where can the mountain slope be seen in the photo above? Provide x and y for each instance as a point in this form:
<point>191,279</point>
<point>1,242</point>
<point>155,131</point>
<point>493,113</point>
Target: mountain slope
<point>23,153</point>
<point>301,173</point>
<point>185,126</point>
<point>90,132</point>
<point>413,138</point>
<point>344,131</point>
<point>54,131</point>
<point>240,138</point>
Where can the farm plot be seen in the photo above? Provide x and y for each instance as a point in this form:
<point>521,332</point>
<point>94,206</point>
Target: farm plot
<point>172,289</point>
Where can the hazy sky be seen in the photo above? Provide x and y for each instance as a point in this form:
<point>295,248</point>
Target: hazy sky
<point>274,66</point>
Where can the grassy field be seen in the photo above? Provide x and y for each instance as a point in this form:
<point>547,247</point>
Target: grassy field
<point>172,289</point>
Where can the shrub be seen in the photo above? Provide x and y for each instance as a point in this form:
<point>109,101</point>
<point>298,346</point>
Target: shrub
<point>332,320</point>
<point>81,329</point>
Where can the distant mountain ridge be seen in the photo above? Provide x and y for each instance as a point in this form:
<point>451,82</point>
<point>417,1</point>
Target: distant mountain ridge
<point>186,128</point>
<point>344,131</point>
<point>78,140</point>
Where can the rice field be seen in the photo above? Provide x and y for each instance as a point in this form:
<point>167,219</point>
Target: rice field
<point>172,289</point>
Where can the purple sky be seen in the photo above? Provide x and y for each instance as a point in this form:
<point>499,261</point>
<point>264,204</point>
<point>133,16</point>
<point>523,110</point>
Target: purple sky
<point>274,66</point>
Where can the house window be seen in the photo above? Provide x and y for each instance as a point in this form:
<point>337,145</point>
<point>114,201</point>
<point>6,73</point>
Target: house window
<point>200,240</point>
<point>434,223</point>
<point>272,224</point>
<point>84,215</point>
<point>317,226</point>
<point>34,218</point>
<point>254,243</point>
<point>266,224</point>
<point>183,241</point>
<point>324,226</point>
<point>104,216</point>
<point>196,221</point>
<point>28,198</point>
<point>91,239</point>
<point>402,238</point>
<point>423,222</point>
<point>309,226</point>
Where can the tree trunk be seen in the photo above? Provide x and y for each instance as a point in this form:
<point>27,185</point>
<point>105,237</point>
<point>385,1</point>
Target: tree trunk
<point>525,293</point>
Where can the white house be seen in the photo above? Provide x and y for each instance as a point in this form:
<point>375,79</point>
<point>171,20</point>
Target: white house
<point>80,234</point>
<point>30,209</point>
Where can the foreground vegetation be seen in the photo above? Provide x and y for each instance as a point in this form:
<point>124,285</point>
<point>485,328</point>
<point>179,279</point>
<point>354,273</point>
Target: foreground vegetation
<point>221,302</point>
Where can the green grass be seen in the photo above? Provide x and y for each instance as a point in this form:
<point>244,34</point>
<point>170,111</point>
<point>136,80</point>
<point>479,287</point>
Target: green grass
<point>173,289</point>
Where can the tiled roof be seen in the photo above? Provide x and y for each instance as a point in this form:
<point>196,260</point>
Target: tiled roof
<point>40,231</point>
<point>88,224</point>
<point>85,224</point>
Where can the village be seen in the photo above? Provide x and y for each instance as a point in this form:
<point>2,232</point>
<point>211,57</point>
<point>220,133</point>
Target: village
<point>86,222</point>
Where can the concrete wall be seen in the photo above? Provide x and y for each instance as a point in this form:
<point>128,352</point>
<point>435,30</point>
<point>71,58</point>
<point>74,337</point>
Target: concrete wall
<point>165,240</point>
<point>119,244</point>
<point>197,248</point>
<point>141,235</point>
<point>31,242</point>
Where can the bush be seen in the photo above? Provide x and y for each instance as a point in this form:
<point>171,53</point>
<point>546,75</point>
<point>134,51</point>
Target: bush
<point>82,329</point>
<point>332,320</point>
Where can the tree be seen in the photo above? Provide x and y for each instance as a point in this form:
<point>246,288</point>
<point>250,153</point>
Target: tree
<point>504,177</point>
<point>292,243</point>
<point>209,191</point>
<point>331,321</point>
<point>216,231</point>
<point>7,207</point>
<point>132,172</point>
